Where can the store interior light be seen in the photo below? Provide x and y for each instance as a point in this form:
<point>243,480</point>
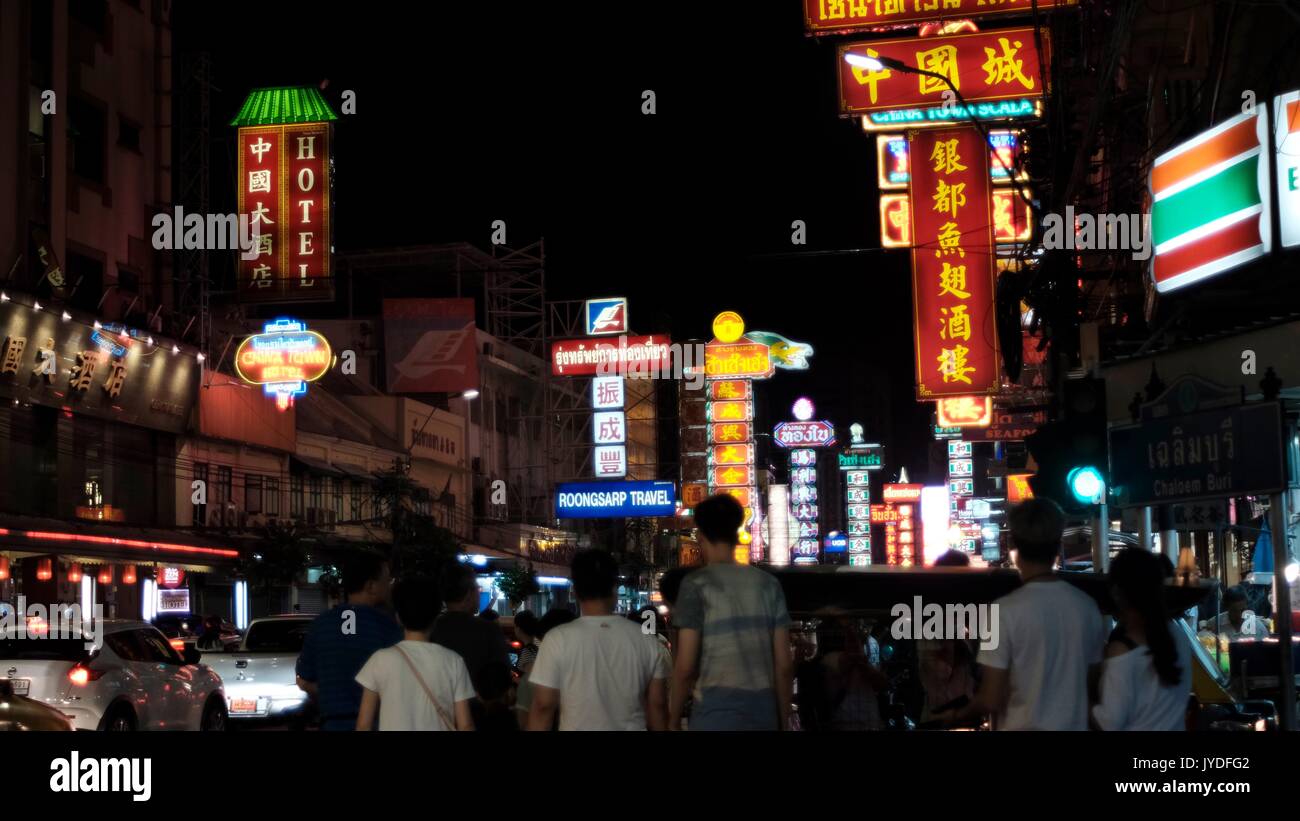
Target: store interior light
<point>36,305</point>
<point>200,357</point>
<point>176,348</point>
<point>3,297</point>
<point>97,325</point>
<point>66,316</point>
<point>1291,573</point>
<point>472,393</point>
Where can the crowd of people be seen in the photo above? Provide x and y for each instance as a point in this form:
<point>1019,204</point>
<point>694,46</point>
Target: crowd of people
<point>724,658</point>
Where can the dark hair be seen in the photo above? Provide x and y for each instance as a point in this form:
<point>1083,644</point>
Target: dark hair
<point>492,680</point>
<point>595,574</point>
<point>1036,527</point>
<point>488,614</point>
<point>417,603</point>
<point>1167,566</point>
<point>719,518</point>
<point>360,569</point>
<point>1138,578</point>
<point>553,619</point>
<point>1235,595</point>
<point>456,582</point>
<point>952,558</point>
<point>526,622</point>
<point>670,583</point>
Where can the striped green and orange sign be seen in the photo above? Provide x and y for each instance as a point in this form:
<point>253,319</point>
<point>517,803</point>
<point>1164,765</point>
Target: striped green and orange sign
<point>1210,203</point>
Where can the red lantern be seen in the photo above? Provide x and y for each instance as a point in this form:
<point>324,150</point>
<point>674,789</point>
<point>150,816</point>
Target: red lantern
<point>106,574</point>
<point>74,573</point>
<point>128,574</point>
<point>4,568</point>
<point>45,570</point>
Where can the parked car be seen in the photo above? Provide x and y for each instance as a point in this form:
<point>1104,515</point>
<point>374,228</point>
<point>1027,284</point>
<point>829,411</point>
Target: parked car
<point>260,674</point>
<point>20,713</point>
<point>131,680</point>
<point>184,631</point>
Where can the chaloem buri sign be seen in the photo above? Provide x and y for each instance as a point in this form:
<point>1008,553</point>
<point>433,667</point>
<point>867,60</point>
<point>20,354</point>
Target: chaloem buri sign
<point>1230,451</point>
<point>599,500</point>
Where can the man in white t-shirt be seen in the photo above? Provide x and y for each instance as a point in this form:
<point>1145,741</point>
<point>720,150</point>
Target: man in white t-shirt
<point>1049,634</point>
<point>600,672</point>
<point>415,684</point>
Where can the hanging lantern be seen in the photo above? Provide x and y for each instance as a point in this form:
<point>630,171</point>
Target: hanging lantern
<point>4,568</point>
<point>106,574</point>
<point>45,570</point>
<point>74,573</point>
<point>128,574</point>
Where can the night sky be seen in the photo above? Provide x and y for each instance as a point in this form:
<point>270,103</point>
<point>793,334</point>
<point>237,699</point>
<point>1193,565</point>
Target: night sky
<point>531,113</point>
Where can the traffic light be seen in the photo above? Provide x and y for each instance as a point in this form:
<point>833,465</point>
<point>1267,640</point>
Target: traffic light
<point>1071,453</point>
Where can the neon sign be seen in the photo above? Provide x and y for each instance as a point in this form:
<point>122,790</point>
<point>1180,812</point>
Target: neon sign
<point>283,359</point>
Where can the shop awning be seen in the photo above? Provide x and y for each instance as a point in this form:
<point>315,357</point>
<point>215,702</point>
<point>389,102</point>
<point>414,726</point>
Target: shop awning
<point>98,540</point>
<point>356,472</point>
<point>316,465</point>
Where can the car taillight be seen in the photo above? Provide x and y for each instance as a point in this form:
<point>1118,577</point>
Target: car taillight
<point>177,644</point>
<point>516,644</point>
<point>81,676</point>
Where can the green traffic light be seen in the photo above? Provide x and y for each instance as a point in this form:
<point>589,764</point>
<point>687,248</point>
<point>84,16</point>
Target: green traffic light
<point>1087,484</point>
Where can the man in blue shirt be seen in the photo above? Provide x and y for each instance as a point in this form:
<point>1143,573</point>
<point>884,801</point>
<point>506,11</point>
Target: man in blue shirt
<point>341,640</point>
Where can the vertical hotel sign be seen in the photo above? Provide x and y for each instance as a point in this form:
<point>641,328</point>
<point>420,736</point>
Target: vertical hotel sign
<point>284,183</point>
<point>952,264</point>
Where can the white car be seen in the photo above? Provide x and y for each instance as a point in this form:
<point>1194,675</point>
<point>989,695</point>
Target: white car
<point>131,680</point>
<point>260,675</point>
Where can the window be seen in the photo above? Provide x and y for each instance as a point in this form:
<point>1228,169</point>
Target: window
<point>499,411</point>
<point>271,495</point>
<point>89,140</point>
<point>357,501</point>
<point>338,498</point>
<point>223,487</point>
<point>253,493</point>
<point>155,647</point>
<point>89,271</point>
<point>295,495</point>
<point>201,510</point>
<point>128,134</point>
<point>315,492</point>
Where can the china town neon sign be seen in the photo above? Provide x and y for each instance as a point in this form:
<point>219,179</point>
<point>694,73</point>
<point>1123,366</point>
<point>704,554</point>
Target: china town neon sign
<point>283,359</point>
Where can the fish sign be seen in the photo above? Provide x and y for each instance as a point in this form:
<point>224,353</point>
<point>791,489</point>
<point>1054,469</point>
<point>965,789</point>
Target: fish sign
<point>786,355</point>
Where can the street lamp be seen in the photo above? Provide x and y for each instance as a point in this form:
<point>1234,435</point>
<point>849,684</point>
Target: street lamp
<point>881,62</point>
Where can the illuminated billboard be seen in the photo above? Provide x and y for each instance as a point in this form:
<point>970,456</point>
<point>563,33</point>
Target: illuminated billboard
<point>845,16</point>
<point>283,359</point>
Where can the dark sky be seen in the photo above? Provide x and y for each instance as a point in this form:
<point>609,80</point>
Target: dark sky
<point>531,113</point>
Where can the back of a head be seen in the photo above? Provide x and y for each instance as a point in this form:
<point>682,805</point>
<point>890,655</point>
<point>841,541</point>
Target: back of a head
<point>554,617</point>
<point>1235,595</point>
<point>417,603</point>
<point>1138,578</point>
<point>670,583</point>
<point>595,574</point>
<point>1036,527</point>
<point>361,569</point>
<point>526,623</point>
<point>719,519</point>
<point>952,558</point>
<point>456,582</point>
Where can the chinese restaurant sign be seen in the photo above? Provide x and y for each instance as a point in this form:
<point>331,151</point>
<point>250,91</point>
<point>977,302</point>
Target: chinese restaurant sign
<point>985,67</point>
<point>752,360</point>
<point>842,16</point>
<point>283,359</point>
<point>965,411</point>
<point>952,265</point>
<point>112,372</point>
<point>1012,220</point>
<point>731,362</point>
<point>893,162</point>
<point>284,190</point>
